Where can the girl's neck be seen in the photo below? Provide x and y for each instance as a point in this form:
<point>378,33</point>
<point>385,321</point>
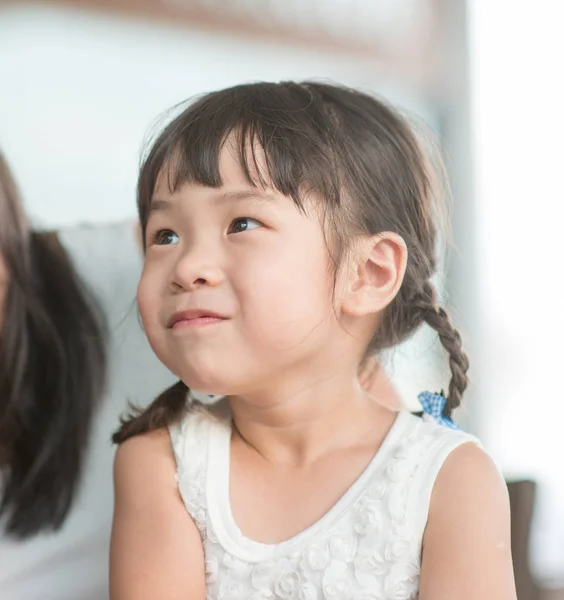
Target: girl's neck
<point>298,427</point>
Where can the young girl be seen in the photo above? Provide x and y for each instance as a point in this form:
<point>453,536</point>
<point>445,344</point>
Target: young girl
<point>290,234</point>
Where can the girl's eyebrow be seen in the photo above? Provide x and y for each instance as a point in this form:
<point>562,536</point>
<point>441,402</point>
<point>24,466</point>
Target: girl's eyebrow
<point>158,205</point>
<point>245,195</point>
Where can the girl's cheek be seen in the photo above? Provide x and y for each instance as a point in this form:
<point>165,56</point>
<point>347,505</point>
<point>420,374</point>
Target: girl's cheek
<point>145,301</point>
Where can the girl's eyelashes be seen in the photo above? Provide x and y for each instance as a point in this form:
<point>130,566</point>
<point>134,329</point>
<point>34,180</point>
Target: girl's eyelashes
<point>243,224</point>
<point>164,237</point>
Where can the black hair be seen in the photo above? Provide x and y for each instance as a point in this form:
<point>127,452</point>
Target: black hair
<point>52,373</point>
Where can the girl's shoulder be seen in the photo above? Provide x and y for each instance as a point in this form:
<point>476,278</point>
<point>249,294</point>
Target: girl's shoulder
<point>155,459</point>
<point>432,438</point>
<point>142,464</point>
<point>468,515</point>
<point>183,441</point>
<point>435,458</point>
<point>141,451</point>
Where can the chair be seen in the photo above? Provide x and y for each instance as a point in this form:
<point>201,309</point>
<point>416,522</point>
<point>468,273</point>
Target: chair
<point>522,500</point>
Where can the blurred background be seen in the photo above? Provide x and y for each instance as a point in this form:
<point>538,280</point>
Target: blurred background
<point>83,82</point>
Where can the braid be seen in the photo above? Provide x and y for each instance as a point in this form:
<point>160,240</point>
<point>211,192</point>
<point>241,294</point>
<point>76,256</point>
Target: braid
<point>437,318</point>
<point>163,411</point>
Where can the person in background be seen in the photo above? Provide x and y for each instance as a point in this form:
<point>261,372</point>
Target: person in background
<point>72,355</point>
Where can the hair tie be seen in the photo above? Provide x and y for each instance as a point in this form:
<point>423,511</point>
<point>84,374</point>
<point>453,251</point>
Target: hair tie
<point>433,408</point>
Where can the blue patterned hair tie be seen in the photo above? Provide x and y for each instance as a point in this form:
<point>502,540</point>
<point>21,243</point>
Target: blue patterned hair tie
<point>433,408</point>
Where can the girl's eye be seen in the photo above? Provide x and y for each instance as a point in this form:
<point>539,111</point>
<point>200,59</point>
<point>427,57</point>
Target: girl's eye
<point>243,224</point>
<point>164,237</point>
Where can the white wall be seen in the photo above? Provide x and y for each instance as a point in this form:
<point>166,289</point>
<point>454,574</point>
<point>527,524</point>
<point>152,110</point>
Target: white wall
<point>517,50</point>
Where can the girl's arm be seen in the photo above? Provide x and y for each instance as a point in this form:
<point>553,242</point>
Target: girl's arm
<point>156,549</point>
<point>467,546</point>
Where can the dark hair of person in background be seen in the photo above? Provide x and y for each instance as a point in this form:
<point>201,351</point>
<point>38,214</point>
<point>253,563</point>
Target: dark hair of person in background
<point>52,373</point>
<point>352,150</point>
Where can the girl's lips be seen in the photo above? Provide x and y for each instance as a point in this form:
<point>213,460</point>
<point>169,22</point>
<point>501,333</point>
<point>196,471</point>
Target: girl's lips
<point>194,318</point>
<point>198,322</point>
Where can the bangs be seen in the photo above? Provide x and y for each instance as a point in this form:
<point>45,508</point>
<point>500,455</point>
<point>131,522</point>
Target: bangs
<point>278,133</point>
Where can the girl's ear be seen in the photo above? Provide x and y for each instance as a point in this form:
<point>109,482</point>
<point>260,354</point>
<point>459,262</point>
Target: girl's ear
<point>375,273</point>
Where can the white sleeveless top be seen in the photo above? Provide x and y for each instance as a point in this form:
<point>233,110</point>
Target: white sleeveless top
<point>367,547</point>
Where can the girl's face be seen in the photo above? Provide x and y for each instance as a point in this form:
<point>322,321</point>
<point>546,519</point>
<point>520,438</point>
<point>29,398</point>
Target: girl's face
<point>237,290</point>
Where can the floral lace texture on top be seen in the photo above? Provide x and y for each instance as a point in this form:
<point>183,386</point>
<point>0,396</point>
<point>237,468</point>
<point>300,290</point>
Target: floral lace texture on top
<point>368,549</point>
